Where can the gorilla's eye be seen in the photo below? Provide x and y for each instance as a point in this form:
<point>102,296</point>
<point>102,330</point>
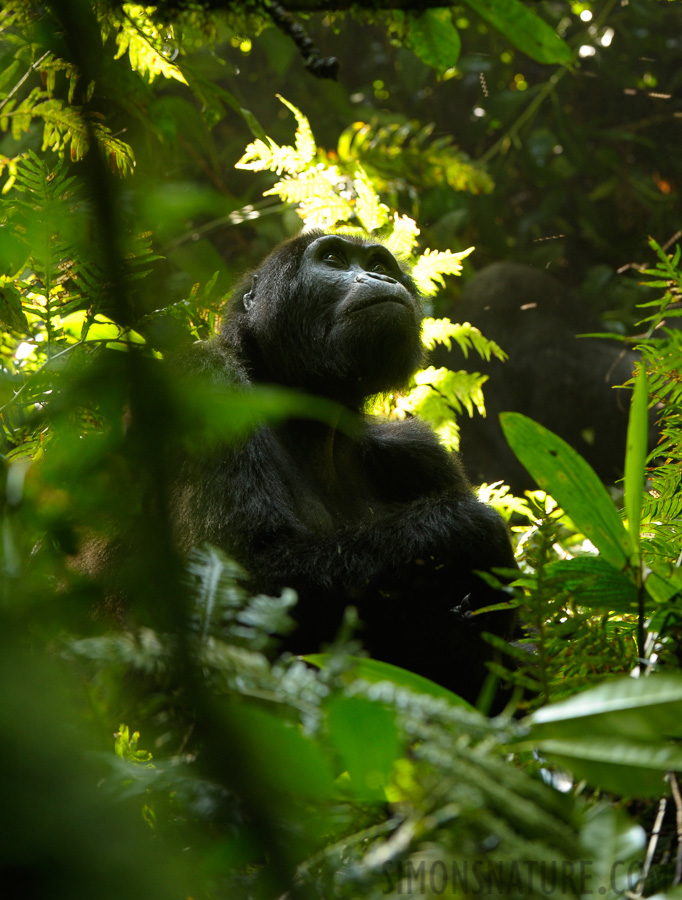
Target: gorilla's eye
<point>380,266</point>
<point>335,259</point>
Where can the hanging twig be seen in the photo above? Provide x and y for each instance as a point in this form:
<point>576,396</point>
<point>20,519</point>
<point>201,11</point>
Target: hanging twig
<point>674,786</point>
<point>30,69</point>
<point>320,66</point>
<point>651,849</point>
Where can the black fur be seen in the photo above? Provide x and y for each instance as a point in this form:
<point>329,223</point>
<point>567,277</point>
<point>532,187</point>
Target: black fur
<point>565,382</point>
<point>385,519</point>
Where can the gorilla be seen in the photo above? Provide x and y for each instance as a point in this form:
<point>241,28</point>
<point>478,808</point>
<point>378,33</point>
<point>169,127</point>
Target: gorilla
<point>567,383</point>
<point>381,517</point>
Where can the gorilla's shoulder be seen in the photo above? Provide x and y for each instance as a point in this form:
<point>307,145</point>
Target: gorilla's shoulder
<point>398,447</point>
<point>210,361</point>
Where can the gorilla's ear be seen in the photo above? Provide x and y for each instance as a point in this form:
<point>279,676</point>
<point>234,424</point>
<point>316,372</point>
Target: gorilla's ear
<point>249,298</point>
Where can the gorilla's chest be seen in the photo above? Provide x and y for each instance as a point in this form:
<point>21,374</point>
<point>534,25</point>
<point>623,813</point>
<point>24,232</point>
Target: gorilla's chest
<point>329,485</point>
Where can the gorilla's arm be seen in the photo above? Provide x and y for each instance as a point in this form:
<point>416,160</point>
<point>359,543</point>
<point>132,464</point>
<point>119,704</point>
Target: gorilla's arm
<point>424,510</point>
<point>446,529</point>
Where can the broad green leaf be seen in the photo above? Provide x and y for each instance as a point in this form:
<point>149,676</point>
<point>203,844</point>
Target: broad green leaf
<point>288,763</point>
<point>594,582</point>
<point>663,586</point>
<point>366,738</point>
<point>11,313</point>
<point>635,456</point>
<point>434,38</point>
<point>374,671</point>
<point>562,472</point>
<point>621,766</point>
<point>612,842</point>
<point>216,414</point>
<point>527,31</point>
<point>643,709</point>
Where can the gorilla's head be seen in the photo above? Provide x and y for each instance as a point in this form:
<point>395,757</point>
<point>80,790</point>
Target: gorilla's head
<point>331,314</point>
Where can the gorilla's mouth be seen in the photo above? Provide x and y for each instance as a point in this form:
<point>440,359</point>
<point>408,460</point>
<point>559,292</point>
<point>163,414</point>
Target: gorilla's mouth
<point>374,299</point>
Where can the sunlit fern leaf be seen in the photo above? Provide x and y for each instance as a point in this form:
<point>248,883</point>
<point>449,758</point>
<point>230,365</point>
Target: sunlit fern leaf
<point>306,147</point>
<point>432,265</point>
<point>440,392</point>
<point>461,390</point>
<point>406,150</point>
<point>315,184</point>
<point>266,155</point>
<point>64,125</point>
<point>146,48</point>
<point>467,336</point>
<point>326,213</point>
<point>261,156</point>
<point>369,209</point>
<point>403,238</point>
<point>432,407</point>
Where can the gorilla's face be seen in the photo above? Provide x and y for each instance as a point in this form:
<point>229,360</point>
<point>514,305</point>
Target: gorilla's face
<point>355,276</point>
<point>345,323</point>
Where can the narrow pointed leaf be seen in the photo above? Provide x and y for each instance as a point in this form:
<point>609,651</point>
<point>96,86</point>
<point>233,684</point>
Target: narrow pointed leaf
<point>562,472</point>
<point>635,456</point>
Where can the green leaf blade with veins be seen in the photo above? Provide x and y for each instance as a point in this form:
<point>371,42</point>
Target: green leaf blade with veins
<point>524,29</point>
<point>434,38</point>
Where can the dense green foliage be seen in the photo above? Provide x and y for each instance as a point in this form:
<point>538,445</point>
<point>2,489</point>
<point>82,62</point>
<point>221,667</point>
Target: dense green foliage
<point>169,752</point>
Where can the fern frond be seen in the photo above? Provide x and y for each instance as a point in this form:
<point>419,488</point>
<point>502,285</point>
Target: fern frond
<point>305,187</point>
<point>403,237</point>
<point>45,184</point>
<point>369,209</point>
<point>405,150</point>
<point>439,392</point>
<point>306,147</point>
<point>64,125</point>
<point>432,265</point>
<point>224,607</point>
<point>260,156</point>
<point>20,117</point>
<point>138,36</point>
<point>467,336</point>
<point>462,390</point>
<point>119,154</point>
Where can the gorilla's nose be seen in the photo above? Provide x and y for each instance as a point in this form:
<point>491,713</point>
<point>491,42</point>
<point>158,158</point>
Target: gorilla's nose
<point>367,277</point>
